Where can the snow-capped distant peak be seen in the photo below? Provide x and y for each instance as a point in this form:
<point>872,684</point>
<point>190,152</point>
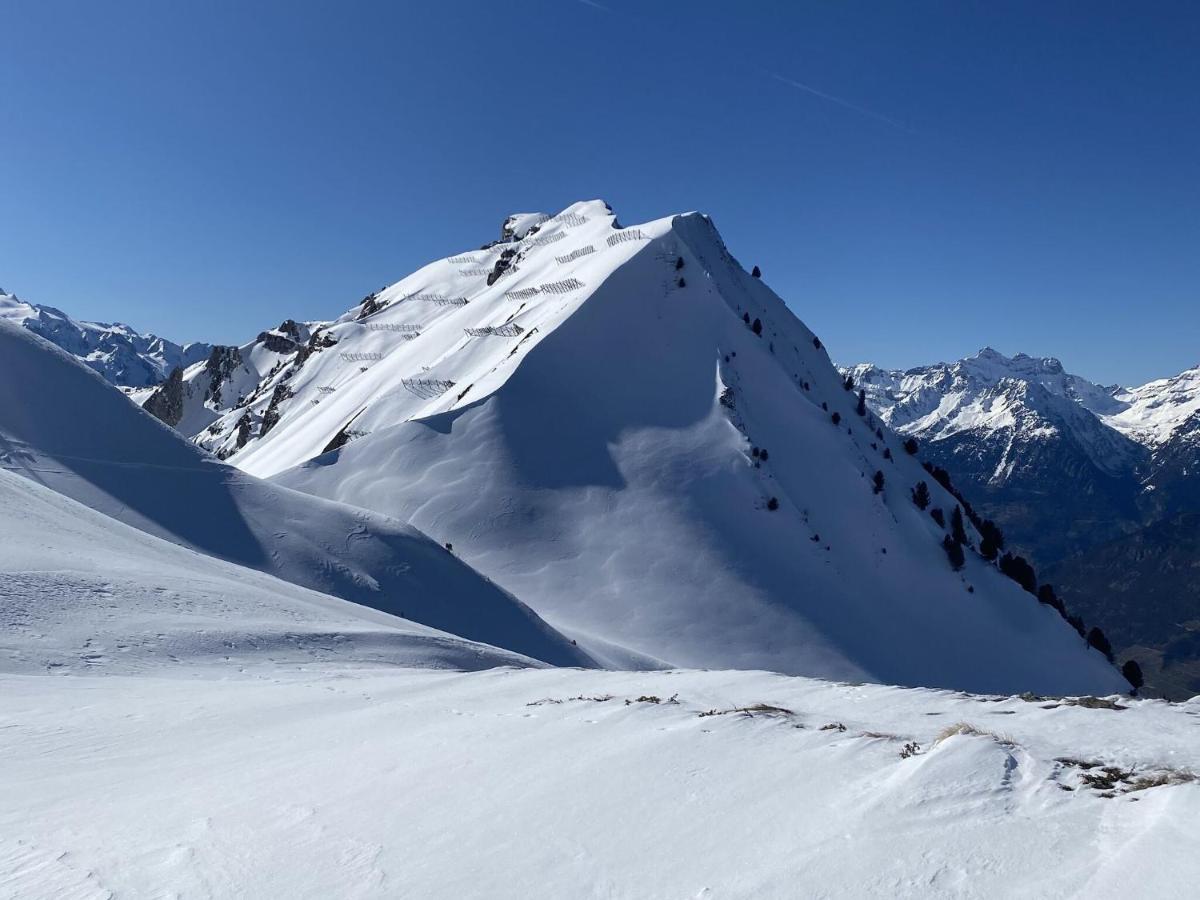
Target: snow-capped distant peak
<point>122,355</point>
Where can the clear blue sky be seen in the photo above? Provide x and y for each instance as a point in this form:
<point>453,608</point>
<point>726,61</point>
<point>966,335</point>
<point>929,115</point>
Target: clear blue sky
<point>1025,175</point>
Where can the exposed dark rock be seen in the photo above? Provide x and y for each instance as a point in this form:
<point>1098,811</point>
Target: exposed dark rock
<point>220,366</point>
<point>166,403</point>
<point>271,416</point>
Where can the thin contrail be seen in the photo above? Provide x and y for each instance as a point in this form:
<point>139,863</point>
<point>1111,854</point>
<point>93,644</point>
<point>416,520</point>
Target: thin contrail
<point>791,82</point>
<point>838,100</point>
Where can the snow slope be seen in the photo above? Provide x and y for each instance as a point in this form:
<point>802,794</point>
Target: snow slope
<point>64,427</point>
<point>123,356</point>
<point>586,430</point>
<point>81,593</point>
<point>362,783</point>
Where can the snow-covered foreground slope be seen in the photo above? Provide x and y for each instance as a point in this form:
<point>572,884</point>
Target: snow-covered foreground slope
<point>80,592</point>
<point>558,783</point>
<point>644,444</point>
<point>62,426</point>
<point>123,356</point>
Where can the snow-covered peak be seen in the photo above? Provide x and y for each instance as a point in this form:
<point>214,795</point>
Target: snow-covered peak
<point>637,438</point>
<point>945,398</point>
<point>1154,412</point>
<point>122,355</point>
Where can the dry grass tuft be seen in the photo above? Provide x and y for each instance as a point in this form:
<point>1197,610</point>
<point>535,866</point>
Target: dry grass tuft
<point>972,731</point>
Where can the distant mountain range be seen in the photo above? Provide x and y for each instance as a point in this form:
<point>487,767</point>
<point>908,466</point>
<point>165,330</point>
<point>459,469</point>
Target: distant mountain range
<point>122,355</point>
<point>1097,484</point>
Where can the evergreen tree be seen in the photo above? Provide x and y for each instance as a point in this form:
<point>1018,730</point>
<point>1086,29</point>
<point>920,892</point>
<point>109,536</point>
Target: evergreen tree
<point>746,318</point>
<point>756,272</point>
<point>954,552</point>
<point>861,409</point>
<point>848,383</point>
<point>878,481</point>
<point>1020,571</point>
<point>1076,622</point>
<point>920,495</point>
<point>836,418</point>
<point>817,342</point>
<point>678,263</point>
<point>1096,638</point>
<point>957,530</point>
<point>1046,595</point>
<point>938,516</point>
<point>992,541</point>
<point>757,327</point>
<point>910,446</point>
<point>1133,674</point>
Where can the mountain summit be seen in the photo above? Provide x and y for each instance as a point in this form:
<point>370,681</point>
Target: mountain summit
<point>637,438</point>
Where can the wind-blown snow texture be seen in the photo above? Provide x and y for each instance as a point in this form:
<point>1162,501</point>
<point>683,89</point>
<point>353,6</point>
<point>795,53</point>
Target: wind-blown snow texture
<point>64,427</point>
<point>583,429</point>
<point>558,783</point>
<point>123,356</point>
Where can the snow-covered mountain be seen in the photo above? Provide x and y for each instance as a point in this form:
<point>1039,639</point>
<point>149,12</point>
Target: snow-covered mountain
<point>637,438</point>
<point>1077,474</point>
<point>63,427</point>
<point>1017,429</point>
<point>123,356</point>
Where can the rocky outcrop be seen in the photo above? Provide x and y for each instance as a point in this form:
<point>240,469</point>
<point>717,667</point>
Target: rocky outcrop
<point>220,366</point>
<point>166,403</point>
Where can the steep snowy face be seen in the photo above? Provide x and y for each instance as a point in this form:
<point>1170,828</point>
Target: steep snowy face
<point>642,442</point>
<point>123,356</point>
<point>64,427</point>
